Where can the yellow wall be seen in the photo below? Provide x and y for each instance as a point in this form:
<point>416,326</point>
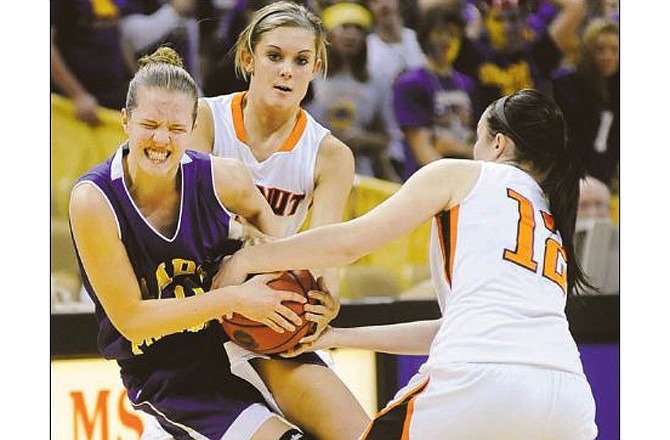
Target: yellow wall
<point>77,147</point>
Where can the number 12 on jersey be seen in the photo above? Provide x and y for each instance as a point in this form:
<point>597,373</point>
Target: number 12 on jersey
<point>524,256</point>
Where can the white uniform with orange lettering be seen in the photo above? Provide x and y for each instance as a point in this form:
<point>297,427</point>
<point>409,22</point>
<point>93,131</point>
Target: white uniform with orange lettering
<point>503,364</point>
<point>286,178</point>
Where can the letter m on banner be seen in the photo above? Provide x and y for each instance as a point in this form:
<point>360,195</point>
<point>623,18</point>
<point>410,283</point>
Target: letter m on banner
<point>89,421</point>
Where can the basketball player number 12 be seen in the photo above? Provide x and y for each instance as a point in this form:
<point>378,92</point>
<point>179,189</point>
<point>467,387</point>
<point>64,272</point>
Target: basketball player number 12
<point>523,254</point>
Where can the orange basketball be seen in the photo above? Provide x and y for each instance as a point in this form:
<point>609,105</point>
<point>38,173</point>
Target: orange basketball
<point>258,337</point>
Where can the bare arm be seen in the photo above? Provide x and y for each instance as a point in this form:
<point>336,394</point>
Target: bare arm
<point>141,31</point>
<point>564,27</point>
<point>110,272</point>
<point>202,136</point>
<point>236,190</point>
<point>334,177</point>
<point>412,338</point>
<point>437,186</point>
<point>86,105</point>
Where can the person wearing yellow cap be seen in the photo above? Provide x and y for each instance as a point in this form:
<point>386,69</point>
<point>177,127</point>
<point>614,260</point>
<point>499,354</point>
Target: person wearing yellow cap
<point>346,13</point>
<point>349,101</point>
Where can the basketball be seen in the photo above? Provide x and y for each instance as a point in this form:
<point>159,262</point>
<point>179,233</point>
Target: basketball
<point>258,337</point>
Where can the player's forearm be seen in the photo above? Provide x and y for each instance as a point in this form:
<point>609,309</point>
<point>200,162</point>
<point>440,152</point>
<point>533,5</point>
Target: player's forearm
<point>330,246</point>
<point>148,319</point>
<point>412,338</point>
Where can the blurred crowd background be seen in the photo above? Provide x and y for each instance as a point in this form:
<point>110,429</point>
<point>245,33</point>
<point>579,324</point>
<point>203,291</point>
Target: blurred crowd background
<point>407,81</point>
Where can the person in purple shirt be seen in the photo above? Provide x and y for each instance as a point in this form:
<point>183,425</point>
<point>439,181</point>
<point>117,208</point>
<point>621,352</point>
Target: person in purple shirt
<point>87,62</point>
<point>151,226</point>
<point>520,46</point>
<point>433,103</point>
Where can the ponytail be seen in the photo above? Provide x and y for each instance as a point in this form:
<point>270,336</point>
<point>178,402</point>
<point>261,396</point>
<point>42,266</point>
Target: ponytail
<point>536,125</point>
<point>562,189</point>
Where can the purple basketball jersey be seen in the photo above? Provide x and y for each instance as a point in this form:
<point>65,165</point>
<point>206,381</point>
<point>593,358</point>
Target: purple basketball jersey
<point>165,267</point>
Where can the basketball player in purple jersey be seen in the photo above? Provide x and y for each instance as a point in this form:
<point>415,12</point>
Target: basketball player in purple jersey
<point>149,226</point>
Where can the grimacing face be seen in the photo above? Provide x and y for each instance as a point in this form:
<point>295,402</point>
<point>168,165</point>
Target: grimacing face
<point>158,129</point>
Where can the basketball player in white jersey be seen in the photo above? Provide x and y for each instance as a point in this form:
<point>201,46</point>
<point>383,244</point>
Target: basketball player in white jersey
<point>502,363</point>
<point>297,164</point>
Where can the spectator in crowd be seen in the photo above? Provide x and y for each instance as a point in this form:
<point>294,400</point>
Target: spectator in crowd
<point>149,24</point>
<point>433,103</point>
<point>219,35</point>
<point>595,199</point>
<point>509,55</point>
<point>87,61</point>
<point>589,99</point>
<point>349,101</point>
<point>607,9</point>
<point>392,49</point>
<point>597,236</point>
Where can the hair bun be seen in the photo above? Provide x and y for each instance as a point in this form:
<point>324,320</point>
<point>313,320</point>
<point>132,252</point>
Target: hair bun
<point>163,54</point>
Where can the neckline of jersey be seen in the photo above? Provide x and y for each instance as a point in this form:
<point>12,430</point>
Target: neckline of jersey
<point>238,124</point>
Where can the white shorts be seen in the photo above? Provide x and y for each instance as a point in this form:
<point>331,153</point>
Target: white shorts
<point>489,402</point>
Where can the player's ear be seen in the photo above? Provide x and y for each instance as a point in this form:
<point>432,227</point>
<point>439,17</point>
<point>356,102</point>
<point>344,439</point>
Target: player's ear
<point>248,62</point>
<point>502,144</point>
<point>318,65</point>
<point>124,119</point>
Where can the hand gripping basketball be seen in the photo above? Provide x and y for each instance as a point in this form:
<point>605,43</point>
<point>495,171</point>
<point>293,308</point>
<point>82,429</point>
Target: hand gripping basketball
<point>258,337</point>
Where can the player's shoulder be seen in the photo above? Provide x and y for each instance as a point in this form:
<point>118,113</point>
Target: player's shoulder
<point>333,148</point>
<point>228,168</point>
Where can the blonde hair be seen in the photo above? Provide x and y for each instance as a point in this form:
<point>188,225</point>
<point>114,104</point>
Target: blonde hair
<point>164,70</point>
<point>594,29</point>
<point>277,15</point>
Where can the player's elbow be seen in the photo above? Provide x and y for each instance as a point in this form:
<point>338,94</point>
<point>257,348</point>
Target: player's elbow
<point>131,325</point>
<point>351,249</point>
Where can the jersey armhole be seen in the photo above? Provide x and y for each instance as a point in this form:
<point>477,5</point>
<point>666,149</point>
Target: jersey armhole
<point>109,203</point>
<point>477,184</point>
<point>213,187</point>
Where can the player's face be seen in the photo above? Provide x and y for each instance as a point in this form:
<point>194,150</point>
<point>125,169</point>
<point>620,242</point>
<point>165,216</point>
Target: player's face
<point>485,145</point>
<point>283,65</point>
<point>158,129</point>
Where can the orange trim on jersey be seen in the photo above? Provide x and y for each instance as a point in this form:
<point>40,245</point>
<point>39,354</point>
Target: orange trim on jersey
<point>238,118</point>
<point>405,431</point>
<point>410,411</point>
<point>296,134</point>
<point>238,124</point>
<point>452,226</point>
<point>453,234</point>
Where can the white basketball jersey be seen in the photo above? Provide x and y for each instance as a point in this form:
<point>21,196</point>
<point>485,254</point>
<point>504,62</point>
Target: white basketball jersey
<point>286,178</point>
<point>500,272</point>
